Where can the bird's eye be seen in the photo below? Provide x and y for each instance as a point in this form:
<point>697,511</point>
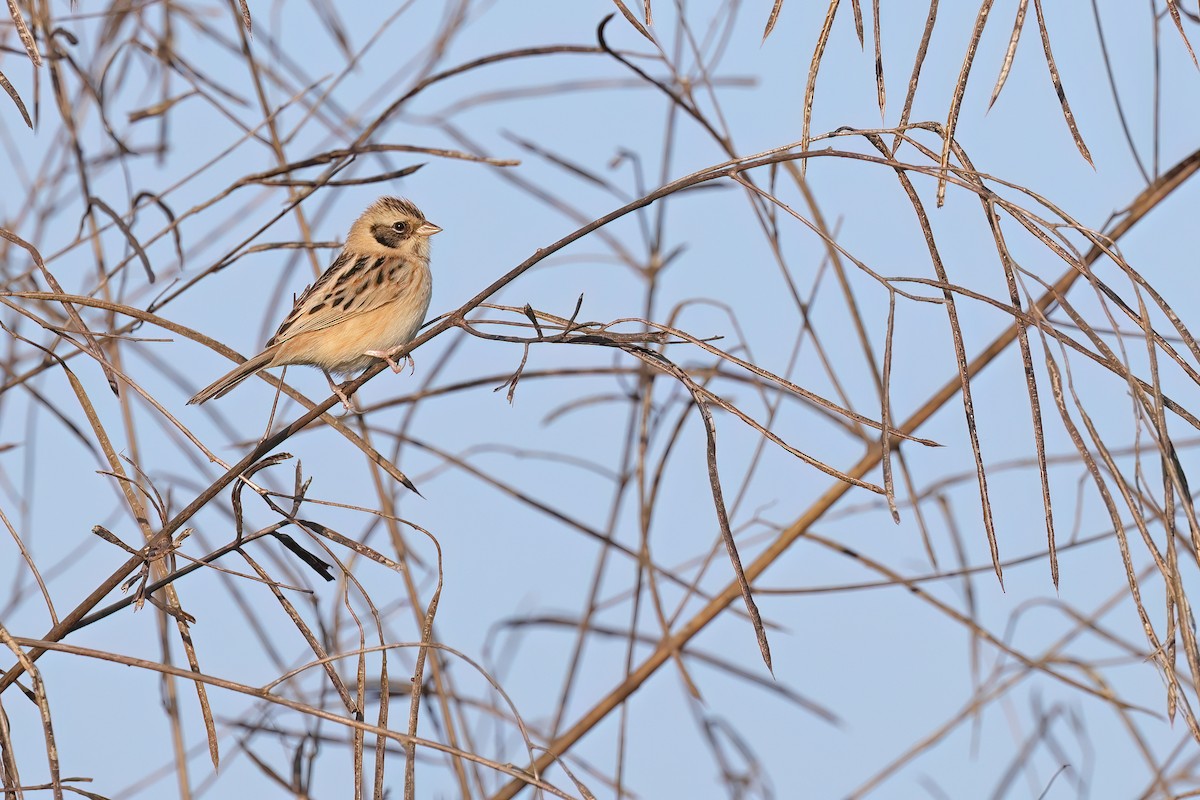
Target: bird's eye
<point>400,227</point>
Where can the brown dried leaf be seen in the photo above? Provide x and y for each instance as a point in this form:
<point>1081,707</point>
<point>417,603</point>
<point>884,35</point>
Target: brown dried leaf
<point>772,18</point>
<point>1173,7</point>
<point>16,98</point>
<point>1058,87</point>
<point>960,90</point>
<point>880,88</point>
<point>634,21</point>
<point>159,108</point>
<point>24,33</point>
<point>246,16</point>
<point>735,559</point>
<point>913,79</point>
<point>810,87</point>
<point>129,237</point>
<point>1018,24</point>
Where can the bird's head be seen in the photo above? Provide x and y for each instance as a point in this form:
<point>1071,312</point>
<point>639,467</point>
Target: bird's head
<point>391,226</point>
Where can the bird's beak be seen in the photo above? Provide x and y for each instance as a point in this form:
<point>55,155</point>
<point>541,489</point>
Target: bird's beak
<point>428,229</point>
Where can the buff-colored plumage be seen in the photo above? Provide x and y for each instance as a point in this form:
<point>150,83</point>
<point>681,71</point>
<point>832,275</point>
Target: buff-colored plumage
<point>371,300</point>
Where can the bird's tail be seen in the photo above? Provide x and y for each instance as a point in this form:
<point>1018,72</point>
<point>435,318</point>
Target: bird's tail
<point>232,378</point>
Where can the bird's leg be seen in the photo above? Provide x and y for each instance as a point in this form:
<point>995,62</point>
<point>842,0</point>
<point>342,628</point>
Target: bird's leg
<point>387,355</point>
<point>346,401</point>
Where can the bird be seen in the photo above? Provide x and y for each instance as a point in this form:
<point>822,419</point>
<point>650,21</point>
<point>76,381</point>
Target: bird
<point>369,303</point>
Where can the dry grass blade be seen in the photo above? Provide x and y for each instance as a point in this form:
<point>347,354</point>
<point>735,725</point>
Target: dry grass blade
<point>381,721</point>
<point>24,33</point>
<point>126,232</point>
<point>1035,406</point>
<point>1171,470</point>
<point>633,20</point>
<point>772,18</point>
<point>206,714</point>
<point>351,544</point>
<point>1173,9</point>
<point>915,77</point>
<point>245,14</point>
<point>357,747</point>
<point>885,410</point>
<point>1102,487</point>
<point>1011,52</point>
<point>735,559</point>
<point>16,98</point>
<point>810,86</point>
<point>1058,87</point>
<point>960,90</point>
<point>176,238</point>
<point>39,698</point>
<point>880,86</point>
<point>1039,436</point>
<point>161,107</point>
<point>960,355</point>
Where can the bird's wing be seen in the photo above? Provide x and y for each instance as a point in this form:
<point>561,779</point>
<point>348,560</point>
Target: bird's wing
<point>350,286</point>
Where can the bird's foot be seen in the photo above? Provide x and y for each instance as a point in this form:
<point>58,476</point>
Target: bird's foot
<point>387,356</point>
<point>347,403</point>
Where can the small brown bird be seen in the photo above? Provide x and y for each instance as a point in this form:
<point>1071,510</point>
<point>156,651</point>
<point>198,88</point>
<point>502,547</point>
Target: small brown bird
<point>368,304</point>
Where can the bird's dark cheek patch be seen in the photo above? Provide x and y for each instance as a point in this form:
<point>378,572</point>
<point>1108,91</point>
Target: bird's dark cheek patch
<point>386,236</point>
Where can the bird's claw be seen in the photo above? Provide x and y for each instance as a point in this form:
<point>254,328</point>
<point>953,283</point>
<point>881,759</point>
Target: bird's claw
<point>347,403</point>
<point>386,355</point>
